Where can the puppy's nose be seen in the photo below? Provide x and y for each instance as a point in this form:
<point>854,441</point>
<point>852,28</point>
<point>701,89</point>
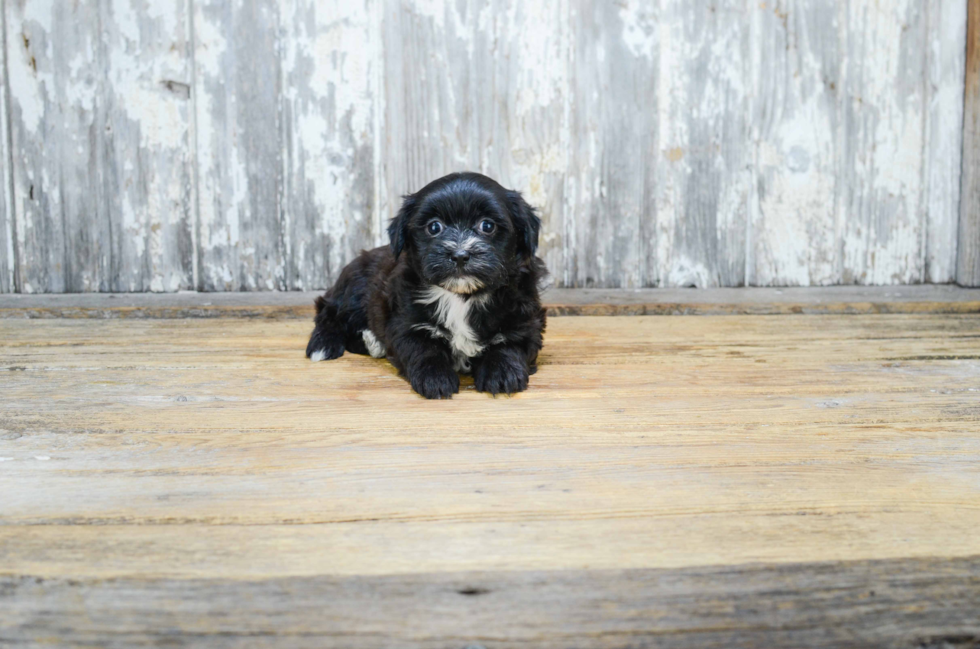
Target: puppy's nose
<point>461,257</point>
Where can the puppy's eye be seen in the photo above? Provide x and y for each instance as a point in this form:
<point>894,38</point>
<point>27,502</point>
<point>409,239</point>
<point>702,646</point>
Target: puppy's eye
<point>434,228</point>
<point>486,227</point>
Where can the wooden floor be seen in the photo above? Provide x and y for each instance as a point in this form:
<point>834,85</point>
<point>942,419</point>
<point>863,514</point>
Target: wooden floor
<point>691,481</point>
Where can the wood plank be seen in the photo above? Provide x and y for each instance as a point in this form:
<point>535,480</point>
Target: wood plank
<point>930,604</point>
<point>794,236</point>
<point>57,121</point>
<point>331,67</point>
<point>946,44</point>
<point>479,86</point>
<point>840,300</point>
<point>720,301</point>
<point>880,203</point>
<point>239,145</point>
<point>148,157</point>
<point>641,443</point>
<point>8,262</point>
<point>614,149</point>
<point>704,182</point>
<point>968,259</point>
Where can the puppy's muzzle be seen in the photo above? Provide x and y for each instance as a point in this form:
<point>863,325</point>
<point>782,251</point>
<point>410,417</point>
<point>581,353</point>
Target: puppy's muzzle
<point>460,257</point>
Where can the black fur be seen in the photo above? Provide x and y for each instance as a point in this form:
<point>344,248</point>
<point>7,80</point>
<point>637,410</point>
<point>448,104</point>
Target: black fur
<point>395,291</point>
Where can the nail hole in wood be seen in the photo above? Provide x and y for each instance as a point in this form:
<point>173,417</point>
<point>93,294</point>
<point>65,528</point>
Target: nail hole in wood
<point>472,591</point>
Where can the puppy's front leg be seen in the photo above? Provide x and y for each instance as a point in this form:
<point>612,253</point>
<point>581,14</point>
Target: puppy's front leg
<point>427,363</point>
<point>503,369</point>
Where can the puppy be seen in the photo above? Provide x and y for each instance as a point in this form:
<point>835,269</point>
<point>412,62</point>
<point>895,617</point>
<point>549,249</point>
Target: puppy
<point>455,291</point>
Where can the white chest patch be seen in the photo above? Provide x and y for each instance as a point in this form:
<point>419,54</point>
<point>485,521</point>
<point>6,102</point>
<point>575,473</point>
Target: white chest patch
<point>451,314</point>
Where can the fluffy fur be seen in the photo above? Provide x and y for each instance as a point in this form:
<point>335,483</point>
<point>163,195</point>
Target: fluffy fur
<point>455,291</point>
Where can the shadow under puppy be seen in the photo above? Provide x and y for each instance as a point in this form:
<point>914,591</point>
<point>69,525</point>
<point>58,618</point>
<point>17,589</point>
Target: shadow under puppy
<point>455,291</point>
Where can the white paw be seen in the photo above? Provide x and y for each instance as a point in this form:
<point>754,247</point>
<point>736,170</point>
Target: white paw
<point>374,346</point>
<point>318,356</point>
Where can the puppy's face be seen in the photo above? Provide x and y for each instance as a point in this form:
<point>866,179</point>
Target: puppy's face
<point>465,233</point>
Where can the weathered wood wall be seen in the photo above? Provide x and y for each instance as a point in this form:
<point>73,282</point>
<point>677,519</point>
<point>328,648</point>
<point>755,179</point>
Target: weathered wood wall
<point>259,144</point>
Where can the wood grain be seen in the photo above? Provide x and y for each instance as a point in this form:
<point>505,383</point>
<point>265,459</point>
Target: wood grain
<point>330,60</point>
<point>701,481</point>
<point>239,145</point>
<point>795,238</point>
<point>920,603</point>
<point>703,189</point>
<point>946,43</point>
<point>642,442</point>
<point>56,76</point>
<point>148,158</point>
<point>968,260</point>
<point>8,264</point>
<point>882,117</point>
<point>102,163</point>
<point>611,226</point>
<point>831,300</point>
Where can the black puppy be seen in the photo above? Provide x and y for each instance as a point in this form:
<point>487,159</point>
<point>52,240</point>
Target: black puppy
<point>456,291</point>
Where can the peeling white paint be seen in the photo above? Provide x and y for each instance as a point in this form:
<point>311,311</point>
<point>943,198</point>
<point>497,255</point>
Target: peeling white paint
<point>793,234</point>
<point>26,82</point>
<point>640,27</point>
<point>8,264</point>
<point>883,216</point>
<point>330,97</point>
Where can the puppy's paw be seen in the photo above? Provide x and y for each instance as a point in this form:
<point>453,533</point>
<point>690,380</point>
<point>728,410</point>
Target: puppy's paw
<point>501,375</point>
<point>435,381</point>
<point>324,346</point>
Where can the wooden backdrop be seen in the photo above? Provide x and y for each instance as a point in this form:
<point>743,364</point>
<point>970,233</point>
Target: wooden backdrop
<point>167,145</point>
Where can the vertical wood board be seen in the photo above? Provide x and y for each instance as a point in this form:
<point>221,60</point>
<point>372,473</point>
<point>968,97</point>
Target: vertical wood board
<point>239,145</point>
<point>7,255</point>
<point>330,59</point>
<point>613,145</point>
<point>945,47</point>
<point>796,127</point>
<point>704,177</point>
<point>54,63</point>
<point>968,259</point>
<point>880,198</point>
<point>147,160</point>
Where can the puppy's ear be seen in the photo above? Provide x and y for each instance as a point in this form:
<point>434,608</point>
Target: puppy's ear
<point>398,228</point>
<point>526,222</point>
